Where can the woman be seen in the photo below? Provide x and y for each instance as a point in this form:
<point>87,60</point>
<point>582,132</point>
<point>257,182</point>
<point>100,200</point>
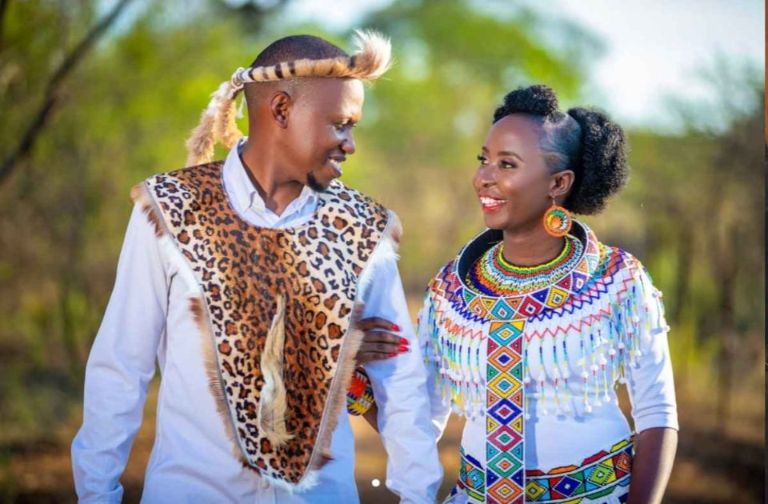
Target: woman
<point>529,329</point>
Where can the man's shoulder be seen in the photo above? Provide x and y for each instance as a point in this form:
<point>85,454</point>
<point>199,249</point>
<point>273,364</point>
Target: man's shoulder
<point>368,210</point>
<point>176,185</point>
<point>353,196</point>
<point>187,175</point>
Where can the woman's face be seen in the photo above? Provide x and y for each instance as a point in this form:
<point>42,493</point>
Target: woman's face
<point>513,182</point>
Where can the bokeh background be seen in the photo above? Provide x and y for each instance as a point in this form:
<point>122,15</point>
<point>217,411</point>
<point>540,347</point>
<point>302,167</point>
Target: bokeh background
<point>97,95</point>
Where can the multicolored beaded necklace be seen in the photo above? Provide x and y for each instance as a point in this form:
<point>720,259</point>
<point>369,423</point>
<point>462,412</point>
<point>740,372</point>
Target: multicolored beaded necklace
<point>493,275</point>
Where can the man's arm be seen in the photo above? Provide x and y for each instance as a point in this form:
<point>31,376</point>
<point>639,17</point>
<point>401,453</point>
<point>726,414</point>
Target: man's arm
<point>399,386</point>
<point>120,365</point>
<point>381,342</point>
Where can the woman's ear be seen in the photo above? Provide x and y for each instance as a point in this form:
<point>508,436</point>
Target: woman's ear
<point>561,183</point>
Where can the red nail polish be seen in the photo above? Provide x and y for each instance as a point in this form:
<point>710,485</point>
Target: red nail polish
<point>391,354</point>
<point>396,327</point>
<point>403,348</point>
<point>404,341</point>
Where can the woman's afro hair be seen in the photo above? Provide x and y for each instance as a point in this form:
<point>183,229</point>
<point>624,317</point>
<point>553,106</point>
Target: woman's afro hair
<point>583,140</point>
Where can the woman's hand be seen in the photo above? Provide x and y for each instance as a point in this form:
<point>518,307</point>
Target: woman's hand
<point>381,340</point>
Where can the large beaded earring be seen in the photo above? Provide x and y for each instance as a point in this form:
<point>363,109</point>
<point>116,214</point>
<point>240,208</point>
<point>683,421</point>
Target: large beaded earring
<point>557,220</point>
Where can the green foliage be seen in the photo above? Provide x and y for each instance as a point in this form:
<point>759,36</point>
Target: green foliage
<point>692,211</point>
<point>425,121</point>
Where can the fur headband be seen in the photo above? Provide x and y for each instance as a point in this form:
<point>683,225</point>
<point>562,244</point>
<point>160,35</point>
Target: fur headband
<point>217,123</point>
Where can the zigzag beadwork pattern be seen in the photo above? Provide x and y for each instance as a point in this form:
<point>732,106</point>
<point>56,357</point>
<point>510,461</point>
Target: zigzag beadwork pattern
<point>507,316</point>
<point>597,476</point>
<point>359,393</point>
<point>460,317</point>
<point>595,304</point>
<point>598,286</point>
<point>505,445</point>
<point>493,275</point>
<point>471,477</point>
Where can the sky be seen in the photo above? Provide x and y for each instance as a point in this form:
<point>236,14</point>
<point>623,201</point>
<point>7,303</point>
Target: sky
<point>654,49</point>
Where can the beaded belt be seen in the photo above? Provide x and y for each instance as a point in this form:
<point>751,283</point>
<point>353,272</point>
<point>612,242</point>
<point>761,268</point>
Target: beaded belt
<point>604,473</point>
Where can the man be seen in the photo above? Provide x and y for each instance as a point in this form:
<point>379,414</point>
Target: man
<point>252,281</point>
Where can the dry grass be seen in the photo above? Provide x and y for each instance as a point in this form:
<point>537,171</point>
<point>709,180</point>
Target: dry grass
<point>712,466</point>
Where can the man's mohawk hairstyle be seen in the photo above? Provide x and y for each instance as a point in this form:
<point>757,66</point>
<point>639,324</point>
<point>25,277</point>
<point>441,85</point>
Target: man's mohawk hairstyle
<point>370,61</point>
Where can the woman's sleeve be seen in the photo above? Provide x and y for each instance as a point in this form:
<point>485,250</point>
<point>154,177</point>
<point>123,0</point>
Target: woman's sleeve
<point>440,405</point>
<point>649,371</point>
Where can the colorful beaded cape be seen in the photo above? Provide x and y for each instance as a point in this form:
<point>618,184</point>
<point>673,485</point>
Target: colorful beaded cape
<point>592,293</point>
<point>275,307</point>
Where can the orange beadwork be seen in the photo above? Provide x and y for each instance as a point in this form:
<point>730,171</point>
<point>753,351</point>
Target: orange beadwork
<point>557,220</point>
<point>360,393</point>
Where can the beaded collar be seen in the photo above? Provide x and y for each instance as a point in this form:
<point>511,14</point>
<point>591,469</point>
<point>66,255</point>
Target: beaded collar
<point>493,275</point>
<point>451,284</point>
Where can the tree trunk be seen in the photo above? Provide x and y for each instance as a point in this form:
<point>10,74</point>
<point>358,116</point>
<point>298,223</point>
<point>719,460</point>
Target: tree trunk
<point>726,274</point>
<point>683,273</point>
<point>53,87</point>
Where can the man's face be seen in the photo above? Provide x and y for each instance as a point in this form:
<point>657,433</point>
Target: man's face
<point>319,133</point>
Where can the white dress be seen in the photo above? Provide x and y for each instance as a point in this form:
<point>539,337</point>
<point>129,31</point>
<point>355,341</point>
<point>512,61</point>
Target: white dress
<point>534,373</point>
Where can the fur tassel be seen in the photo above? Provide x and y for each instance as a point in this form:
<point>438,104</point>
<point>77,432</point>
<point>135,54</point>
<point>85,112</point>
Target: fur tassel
<point>140,196</point>
<point>272,405</point>
<point>217,121</point>
<point>337,398</point>
<point>394,229</point>
<point>226,129</point>
<point>374,55</point>
<point>199,313</point>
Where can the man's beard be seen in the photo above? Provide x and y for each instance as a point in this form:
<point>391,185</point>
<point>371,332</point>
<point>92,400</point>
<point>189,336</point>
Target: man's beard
<point>314,184</point>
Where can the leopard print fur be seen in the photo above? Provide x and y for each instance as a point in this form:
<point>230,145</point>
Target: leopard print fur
<point>242,269</point>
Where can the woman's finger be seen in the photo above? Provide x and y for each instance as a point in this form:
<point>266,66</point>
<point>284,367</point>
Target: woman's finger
<point>378,336</point>
<point>378,323</point>
<point>384,348</point>
<point>365,357</point>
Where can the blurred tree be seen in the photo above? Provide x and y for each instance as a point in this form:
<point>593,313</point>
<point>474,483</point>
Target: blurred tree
<point>425,121</point>
<point>736,244</point>
<point>702,203</point>
<point>121,115</point>
<point>54,83</point>
<point>251,14</point>
<point>124,112</point>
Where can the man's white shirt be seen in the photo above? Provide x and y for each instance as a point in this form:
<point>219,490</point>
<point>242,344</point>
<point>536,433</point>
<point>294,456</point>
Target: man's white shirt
<point>148,320</point>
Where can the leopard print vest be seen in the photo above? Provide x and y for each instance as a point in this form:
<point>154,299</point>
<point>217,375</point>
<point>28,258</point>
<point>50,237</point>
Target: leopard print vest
<point>276,312</point>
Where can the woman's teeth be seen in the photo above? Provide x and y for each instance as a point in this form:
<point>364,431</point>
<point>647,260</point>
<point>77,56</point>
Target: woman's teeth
<point>491,204</point>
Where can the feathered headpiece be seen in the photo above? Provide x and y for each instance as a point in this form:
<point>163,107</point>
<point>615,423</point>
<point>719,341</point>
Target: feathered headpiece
<point>217,123</point>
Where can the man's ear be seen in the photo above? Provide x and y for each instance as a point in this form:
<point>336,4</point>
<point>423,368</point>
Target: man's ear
<point>280,105</point>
